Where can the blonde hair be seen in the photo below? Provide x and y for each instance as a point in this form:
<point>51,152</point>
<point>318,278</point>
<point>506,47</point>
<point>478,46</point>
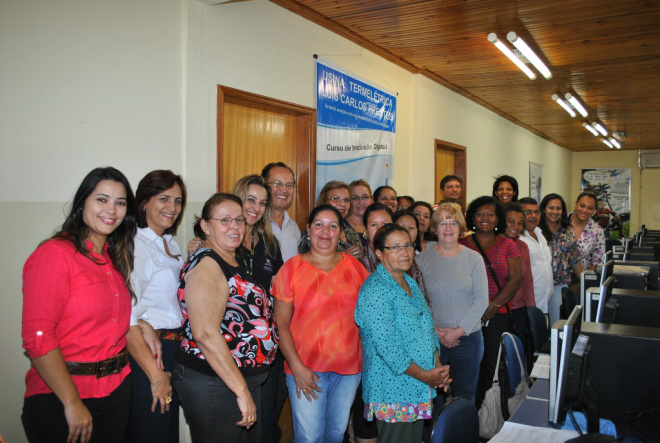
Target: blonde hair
<point>450,210</point>
<point>263,226</point>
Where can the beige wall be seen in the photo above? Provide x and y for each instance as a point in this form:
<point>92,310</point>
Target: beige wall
<point>645,186</point>
<point>132,83</point>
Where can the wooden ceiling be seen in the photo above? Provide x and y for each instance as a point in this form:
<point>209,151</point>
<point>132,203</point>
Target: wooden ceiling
<point>606,51</point>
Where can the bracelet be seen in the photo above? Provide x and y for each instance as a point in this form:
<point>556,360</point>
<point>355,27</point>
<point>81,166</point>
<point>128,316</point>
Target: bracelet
<point>145,325</point>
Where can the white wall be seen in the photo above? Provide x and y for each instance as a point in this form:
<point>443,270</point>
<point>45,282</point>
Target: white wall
<point>133,83</point>
<point>84,83</point>
<point>495,146</point>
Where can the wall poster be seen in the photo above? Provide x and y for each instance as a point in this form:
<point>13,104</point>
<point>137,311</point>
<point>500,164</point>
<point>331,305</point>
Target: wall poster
<point>356,123</point>
<point>612,186</point>
<point>536,182</point>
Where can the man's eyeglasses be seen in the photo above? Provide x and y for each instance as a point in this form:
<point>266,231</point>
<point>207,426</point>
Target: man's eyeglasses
<point>279,184</point>
<point>535,212</point>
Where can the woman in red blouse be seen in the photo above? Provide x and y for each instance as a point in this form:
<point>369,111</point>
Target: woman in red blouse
<point>76,312</point>
<point>487,220</point>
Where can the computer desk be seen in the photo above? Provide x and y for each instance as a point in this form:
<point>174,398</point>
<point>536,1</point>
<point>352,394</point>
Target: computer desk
<point>623,368</point>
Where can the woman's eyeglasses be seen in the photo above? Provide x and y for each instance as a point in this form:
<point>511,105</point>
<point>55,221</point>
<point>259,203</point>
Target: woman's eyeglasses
<point>364,197</point>
<point>399,248</point>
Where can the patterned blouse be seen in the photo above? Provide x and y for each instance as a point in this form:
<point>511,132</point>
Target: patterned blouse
<point>591,245</point>
<point>565,255</point>
<point>248,326</point>
<point>388,319</point>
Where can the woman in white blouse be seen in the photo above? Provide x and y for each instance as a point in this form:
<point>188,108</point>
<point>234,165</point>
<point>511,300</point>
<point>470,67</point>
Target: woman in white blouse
<point>155,332</point>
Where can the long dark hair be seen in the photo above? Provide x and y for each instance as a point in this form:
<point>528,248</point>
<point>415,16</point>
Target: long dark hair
<point>407,212</point>
<point>120,241</point>
<point>547,233</point>
<point>153,184</point>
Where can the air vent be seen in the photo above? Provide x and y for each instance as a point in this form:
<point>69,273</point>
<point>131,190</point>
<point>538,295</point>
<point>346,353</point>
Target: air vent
<point>650,159</point>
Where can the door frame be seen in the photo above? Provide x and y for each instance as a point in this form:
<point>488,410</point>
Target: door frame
<point>305,166</point>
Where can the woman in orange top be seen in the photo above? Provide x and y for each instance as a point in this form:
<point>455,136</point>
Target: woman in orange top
<point>315,296</point>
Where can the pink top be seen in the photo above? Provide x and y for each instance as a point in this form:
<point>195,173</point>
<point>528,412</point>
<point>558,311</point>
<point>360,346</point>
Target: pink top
<point>82,307</point>
<point>323,322</point>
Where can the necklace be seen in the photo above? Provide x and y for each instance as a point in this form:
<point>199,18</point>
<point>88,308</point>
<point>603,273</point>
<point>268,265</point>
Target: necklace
<point>249,266</point>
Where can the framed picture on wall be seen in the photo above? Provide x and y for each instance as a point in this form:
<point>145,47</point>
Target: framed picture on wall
<point>536,181</point>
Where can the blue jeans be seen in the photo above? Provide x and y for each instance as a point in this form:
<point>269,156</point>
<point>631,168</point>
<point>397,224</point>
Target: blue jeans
<point>210,406</point>
<point>325,419</point>
<point>463,361</point>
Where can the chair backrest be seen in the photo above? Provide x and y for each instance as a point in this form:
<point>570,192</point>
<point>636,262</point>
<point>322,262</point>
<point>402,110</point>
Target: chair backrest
<point>458,422</point>
<point>513,369</point>
<point>538,325</point>
<point>569,301</point>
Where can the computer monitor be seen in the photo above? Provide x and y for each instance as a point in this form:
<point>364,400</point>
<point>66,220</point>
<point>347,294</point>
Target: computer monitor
<point>605,295</point>
<point>563,336</point>
<point>571,386</point>
<point>608,268</point>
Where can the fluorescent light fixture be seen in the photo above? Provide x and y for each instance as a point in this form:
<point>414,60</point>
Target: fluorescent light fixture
<point>527,52</point>
<point>607,142</point>
<point>576,104</point>
<point>564,105</point>
<point>615,142</point>
<point>600,128</point>
<point>589,128</point>
<point>492,37</point>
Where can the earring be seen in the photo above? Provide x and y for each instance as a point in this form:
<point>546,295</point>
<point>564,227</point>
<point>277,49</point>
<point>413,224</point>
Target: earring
<point>495,228</point>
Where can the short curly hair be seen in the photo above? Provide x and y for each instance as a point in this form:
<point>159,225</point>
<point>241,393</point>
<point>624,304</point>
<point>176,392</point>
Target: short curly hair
<point>483,201</point>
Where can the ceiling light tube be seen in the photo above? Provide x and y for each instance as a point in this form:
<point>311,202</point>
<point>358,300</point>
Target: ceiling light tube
<point>589,128</point>
<point>564,105</point>
<point>576,104</point>
<point>531,55</point>
<point>615,142</point>
<point>492,37</point>
<point>600,128</point>
<point>607,142</point>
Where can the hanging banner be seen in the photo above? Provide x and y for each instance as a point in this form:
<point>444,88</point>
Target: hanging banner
<point>356,123</point>
<point>612,187</point>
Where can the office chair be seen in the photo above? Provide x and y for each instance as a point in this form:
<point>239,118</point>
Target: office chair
<point>514,382</point>
<point>539,327</point>
<point>568,302</point>
<point>458,422</point>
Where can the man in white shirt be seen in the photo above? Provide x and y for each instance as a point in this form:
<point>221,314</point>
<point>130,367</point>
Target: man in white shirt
<point>282,183</point>
<point>540,255</point>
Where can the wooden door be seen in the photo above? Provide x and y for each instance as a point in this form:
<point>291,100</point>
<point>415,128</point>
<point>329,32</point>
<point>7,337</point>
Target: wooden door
<point>450,159</point>
<point>254,130</point>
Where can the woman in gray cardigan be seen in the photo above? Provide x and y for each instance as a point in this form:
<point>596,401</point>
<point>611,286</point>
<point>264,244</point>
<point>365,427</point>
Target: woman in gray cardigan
<point>457,287</point>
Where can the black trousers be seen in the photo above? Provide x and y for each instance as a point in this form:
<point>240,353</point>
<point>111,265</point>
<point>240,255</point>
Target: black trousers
<point>497,325</point>
<point>44,421</point>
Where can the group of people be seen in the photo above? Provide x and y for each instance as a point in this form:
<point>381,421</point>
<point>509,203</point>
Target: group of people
<point>382,304</point>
